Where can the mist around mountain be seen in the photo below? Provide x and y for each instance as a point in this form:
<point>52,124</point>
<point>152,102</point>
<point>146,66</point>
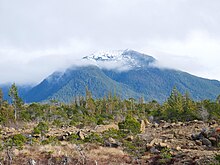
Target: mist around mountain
<point>125,73</point>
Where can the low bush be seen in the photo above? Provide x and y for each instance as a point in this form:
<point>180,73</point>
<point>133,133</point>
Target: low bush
<point>130,124</point>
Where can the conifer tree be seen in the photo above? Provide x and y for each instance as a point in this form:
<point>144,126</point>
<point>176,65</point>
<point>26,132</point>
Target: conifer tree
<point>1,97</point>
<point>16,100</point>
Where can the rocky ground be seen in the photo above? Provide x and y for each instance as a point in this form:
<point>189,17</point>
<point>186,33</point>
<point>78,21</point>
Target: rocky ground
<point>194,142</point>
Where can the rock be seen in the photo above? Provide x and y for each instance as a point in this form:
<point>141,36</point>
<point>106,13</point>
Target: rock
<point>197,136</point>
<point>180,123</point>
<point>12,129</point>
<point>217,130</point>
<point>16,152</point>
<point>142,129</point>
<point>181,132</point>
<point>166,126</point>
<point>112,143</point>
<point>162,121</point>
<point>197,122</point>
<point>198,142</point>
<point>130,138</point>
<point>204,133</point>
<point>206,142</point>
<point>155,125</point>
<point>36,135</point>
<point>164,145</point>
<point>32,162</point>
<point>213,140</point>
<point>155,141</point>
<point>153,150</point>
<point>111,140</point>
<point>81,135</point>
<point>102,128</point>
<point>178,148</point>
<point>168,136</point>
<point>190,144</point>
<point>146,122</point>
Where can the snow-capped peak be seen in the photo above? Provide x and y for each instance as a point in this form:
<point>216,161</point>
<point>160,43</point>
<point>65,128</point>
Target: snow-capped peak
<point>106,55</point>
<point>121,58</point>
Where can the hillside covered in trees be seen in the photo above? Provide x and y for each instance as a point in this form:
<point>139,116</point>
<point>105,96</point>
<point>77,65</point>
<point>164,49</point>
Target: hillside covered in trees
<point>109,122</point>
<point>127,73</point>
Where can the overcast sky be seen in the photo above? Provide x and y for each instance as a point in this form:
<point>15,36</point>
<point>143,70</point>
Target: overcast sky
<point>39,37</point>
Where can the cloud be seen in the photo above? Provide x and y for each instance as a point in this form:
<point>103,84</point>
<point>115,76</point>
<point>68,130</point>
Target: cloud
<point>197,54</point>
<point>39,37</point>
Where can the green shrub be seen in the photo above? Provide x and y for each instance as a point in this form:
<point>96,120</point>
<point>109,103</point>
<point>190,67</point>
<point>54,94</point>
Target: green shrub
<point>165,153</point>
<point>135,147</point>
<point>42,128</point>
<point>115,134</point>
<point>217,158</point>
<point>17,140</point>
<point>51,140</point>
<point>94,138</point>
<point>57,123</point>
<point>74,138</point>
<point>100,121</point>
<point>130,124</point>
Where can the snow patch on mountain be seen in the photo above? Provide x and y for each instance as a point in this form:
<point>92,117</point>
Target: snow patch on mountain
<point>120,59</point>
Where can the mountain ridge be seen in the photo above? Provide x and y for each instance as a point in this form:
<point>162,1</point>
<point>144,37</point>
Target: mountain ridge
<point>128,73</point>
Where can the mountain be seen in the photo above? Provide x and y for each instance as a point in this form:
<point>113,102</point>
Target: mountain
<point>22,90</point>
<point>64,86</point>
<point>126,73</point>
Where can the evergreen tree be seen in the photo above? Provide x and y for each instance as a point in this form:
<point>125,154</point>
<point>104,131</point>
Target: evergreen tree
<point>218,99</point>
<point>1,97</point>
<point>16,100</point>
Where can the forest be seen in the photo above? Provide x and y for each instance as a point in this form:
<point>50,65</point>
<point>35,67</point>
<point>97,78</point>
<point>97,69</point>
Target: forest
<point>86,109</point>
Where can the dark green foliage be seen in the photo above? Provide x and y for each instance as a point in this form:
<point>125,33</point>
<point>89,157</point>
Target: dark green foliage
<point>165,153</point>
<point>100,121</point>
<point>217,158</point>
<point>51,140</point>
<point>57,123</point>
<point>130,124</point>
<point>16,100</point>
<point>41,128</point>
<point>17,140</point>
<point>135,147</point>
<point>179,107</point>
<point>94,138</point>
<point>1,97</point>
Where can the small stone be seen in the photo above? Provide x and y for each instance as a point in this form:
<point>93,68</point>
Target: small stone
<point>32,162</point>
<point>198,142</point>
<point>190,144</point>
<point>81,135</point>
<point>111,140</point>
<point>164,145</point>
<point>153,150</point>
<point>217,130</point>
<point>142,129</point>
<point>166,125</point>
<point>155,125</point>
<point>102,128</point>
<point>168,136</point>
<point>155,141</point>
<point>130,138</point>
<point>213,140</point>
<point>12,129</point>
<point>178,148</point>
<point>206,142</point>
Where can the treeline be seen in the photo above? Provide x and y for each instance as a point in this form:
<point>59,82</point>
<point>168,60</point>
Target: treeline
<point>85,110</point>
